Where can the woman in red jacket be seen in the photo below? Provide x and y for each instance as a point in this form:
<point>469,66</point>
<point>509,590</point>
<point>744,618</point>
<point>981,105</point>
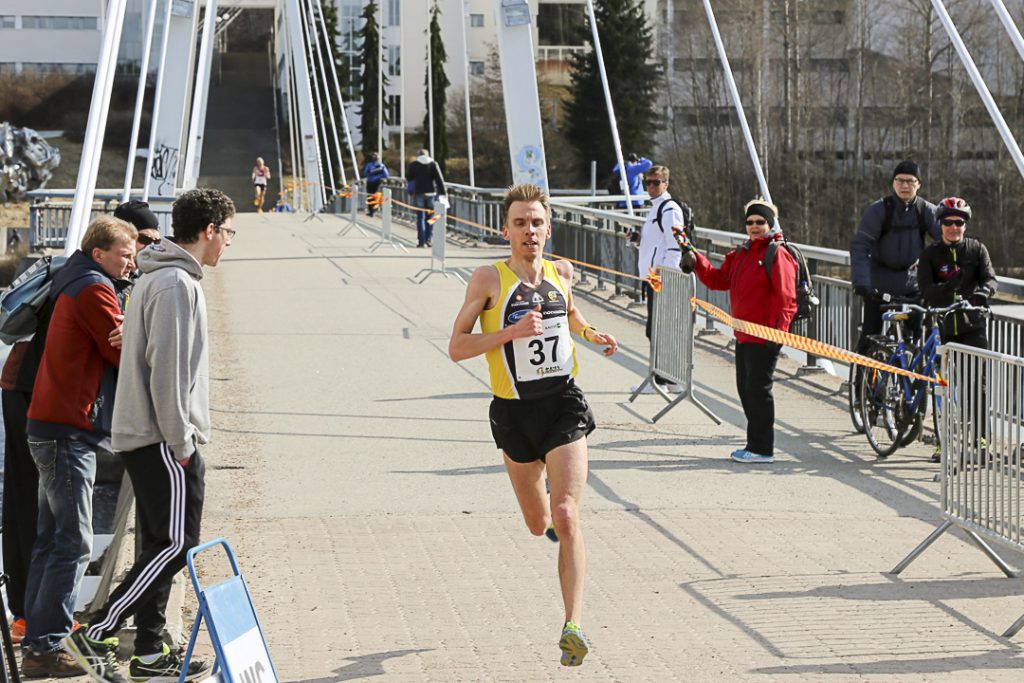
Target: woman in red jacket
<point>757,297</point>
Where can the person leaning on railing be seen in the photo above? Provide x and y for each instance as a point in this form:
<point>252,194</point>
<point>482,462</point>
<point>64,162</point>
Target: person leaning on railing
<point>954,269</point>
<point>764,299</point>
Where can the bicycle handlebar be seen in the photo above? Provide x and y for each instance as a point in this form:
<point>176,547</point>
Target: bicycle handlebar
<point>962,305</point>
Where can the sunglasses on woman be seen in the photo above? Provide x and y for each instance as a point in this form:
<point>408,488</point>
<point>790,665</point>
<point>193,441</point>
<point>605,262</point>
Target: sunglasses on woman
<point>958,222</point>
<point>759,221</point>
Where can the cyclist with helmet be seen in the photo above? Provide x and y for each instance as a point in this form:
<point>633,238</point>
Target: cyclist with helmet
<point>957,268</point>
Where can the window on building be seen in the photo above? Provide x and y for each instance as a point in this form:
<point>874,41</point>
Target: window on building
<point>560,23</point>
<point>31,21</point>
<point>476,20</point>
<point>8,67</point>
<point>57,68</point>
<point>394,17</point>
<point>6,21</point>
<point>476,68</point>
<point>394,60</point>
<point>392,110</point>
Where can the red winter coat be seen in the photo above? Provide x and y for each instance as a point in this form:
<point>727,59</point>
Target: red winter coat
<point>753,296</point>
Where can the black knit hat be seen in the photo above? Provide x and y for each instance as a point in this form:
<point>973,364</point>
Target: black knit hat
<point>137,213</point>
<point>907,167</point>
<point>760,207</point>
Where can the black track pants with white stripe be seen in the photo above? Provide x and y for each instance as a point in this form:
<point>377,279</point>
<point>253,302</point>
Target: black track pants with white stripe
<point>169,500</point>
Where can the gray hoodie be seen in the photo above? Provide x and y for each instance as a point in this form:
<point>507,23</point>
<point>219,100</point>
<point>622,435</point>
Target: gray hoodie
<point>163,386</point>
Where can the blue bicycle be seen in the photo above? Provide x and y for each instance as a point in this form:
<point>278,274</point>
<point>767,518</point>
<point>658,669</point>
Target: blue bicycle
<point>893,406</point>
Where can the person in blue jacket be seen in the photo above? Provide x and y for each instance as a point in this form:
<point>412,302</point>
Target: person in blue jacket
<point>375,172</point>
<point>635,169</point>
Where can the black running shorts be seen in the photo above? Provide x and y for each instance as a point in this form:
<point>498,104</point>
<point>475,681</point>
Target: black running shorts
<point>529,430</point>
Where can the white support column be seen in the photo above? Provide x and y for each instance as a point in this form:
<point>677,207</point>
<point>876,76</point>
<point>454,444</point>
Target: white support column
<point>173,87</point>
<point>200,96</point>
<point>522,104</point>
<point>469,111</point>
<point>304,102</point>
<point>92,147</point>
<point>341,99</point>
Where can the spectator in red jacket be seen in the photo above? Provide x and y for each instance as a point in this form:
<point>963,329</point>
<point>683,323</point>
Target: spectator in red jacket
<point>757,297</point>
<point>69,419</point>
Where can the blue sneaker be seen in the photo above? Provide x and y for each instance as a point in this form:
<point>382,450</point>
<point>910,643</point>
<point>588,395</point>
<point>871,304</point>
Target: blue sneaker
<point>747,456</point>
<point>551,534</point>
<point>738,451</point>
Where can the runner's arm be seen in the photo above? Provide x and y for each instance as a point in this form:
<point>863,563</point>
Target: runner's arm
<point>577,323</point>
<point>483,289</point>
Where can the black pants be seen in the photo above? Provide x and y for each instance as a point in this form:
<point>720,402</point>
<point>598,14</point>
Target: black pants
<point>21,499</point>
<point>755,367</point>
<point>371,188</point>
<point>648,293</point>
<point>169,499</point>
<point>978,338</point>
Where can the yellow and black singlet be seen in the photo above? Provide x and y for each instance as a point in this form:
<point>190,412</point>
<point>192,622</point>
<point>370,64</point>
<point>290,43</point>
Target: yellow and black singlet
<point>530,367</point>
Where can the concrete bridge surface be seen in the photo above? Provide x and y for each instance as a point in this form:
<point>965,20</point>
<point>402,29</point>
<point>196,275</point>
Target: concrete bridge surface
<point>353,471</point>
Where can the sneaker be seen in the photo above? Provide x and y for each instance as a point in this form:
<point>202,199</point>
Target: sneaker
<point>550,533</point>
<point>17,630</point>
<point>744,455</point>
<point>673,388</point>
<point>648,389</point>
<point>737,452</point>
<point>573,644</point>
<point>937,454</point>
<point>97,657</point>
<point>166,668</point>
<point>55,664</point>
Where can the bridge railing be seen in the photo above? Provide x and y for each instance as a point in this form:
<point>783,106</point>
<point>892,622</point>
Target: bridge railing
<point>50,213</point>
<point>596,235</point>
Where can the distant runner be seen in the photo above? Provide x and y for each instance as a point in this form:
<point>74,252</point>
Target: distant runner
<point>539,417</point>
<point>260,176</point>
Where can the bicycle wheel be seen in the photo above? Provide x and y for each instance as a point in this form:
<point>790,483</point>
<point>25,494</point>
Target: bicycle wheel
<point>913,432</point>
<point>880,399</point>
<point>853,397</point>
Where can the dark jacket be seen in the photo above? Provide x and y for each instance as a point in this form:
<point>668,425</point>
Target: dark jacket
<point>424,176</point>
<point>752,296</point>
<point>73,395</point>
<point>947,272</point>
<point>882,261</point>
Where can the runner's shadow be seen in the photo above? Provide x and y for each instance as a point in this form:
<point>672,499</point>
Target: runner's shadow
<point>363,666</point>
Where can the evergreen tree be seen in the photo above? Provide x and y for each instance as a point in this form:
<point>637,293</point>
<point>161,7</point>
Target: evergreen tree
<point>370,49</point>
<point>439,96</point>
<point>627,43</point>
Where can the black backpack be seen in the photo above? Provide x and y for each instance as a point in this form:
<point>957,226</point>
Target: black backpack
<point>805,298</point>
<point>687,212</point>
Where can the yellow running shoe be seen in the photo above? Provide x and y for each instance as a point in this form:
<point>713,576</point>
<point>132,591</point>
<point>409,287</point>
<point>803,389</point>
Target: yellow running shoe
<point>573,644</point>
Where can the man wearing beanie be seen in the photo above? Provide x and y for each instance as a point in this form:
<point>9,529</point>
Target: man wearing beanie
<point>138,213</point>
<point>768,301</point>
<point>892,233</point>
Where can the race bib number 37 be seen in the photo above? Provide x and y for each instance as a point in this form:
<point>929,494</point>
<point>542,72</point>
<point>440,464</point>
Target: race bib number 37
<point>546,355</point>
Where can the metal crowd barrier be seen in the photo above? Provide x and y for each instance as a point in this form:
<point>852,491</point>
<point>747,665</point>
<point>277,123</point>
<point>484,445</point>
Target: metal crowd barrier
<point>672,342</point>
<point>982,436</point>
<point>438,244</point>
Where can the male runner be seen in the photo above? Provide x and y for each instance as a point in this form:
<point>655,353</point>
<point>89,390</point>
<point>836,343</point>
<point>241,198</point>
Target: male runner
<point>539,417</point>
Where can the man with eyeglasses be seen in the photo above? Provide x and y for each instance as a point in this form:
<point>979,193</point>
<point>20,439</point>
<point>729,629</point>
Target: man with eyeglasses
<point>160,419</point>
<point>889,239</point>
<point>658,247</point>
<point>957,268</point>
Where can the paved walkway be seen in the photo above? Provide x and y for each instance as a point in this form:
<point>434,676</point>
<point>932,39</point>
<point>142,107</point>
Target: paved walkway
<point>353,471</point>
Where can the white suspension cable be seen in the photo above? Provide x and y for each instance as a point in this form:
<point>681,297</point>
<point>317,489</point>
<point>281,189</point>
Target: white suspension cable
<point>341,98</point>
<point>469,117</point>
<point>314,34</point>
<point>92,147</point>
<point>380,81</point>
<point>140,95</point>
<point>979,84</point>
<point>430,82</point>
<point>735,94</point>
<point>1010,26</point>
<point>197,122</point>
<point>623,178</point>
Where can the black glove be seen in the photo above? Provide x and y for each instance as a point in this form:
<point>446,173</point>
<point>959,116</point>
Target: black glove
<point>980,297</point>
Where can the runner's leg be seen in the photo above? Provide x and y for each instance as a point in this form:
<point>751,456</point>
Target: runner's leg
<point>567,474</point>
<point>528,483</point>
